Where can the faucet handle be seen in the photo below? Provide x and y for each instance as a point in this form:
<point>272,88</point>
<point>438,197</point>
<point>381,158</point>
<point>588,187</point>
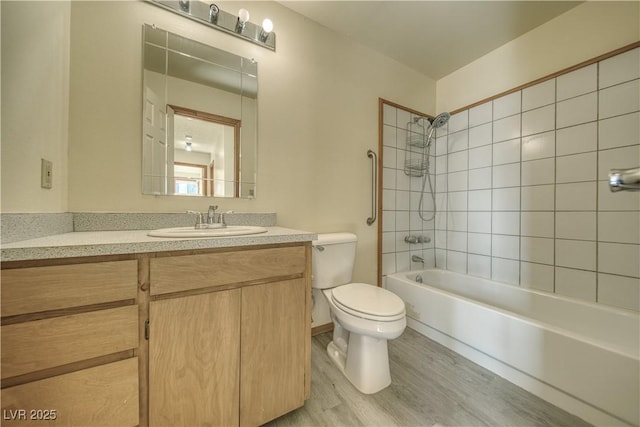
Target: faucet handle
<point>200,221</point>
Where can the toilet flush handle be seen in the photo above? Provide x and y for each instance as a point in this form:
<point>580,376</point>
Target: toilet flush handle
<point>319,248</point>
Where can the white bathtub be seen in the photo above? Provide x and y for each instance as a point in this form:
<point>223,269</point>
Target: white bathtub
<point>580,356</point>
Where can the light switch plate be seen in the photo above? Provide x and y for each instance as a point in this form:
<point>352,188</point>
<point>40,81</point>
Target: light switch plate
<point>46,174</point>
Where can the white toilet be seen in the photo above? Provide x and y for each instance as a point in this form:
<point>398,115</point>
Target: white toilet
<point>364,316</point>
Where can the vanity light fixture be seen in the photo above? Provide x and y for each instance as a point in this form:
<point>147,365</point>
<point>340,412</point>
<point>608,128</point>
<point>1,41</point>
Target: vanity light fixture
<point>243,18</point>
<point>211,15</point>
<point>267,27</point>
<point>214,12</point>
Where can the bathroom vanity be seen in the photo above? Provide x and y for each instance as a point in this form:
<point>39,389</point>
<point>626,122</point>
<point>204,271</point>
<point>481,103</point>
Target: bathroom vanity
<point>118,328</point>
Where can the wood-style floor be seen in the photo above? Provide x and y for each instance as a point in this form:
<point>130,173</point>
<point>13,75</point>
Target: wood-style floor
<point>431,386</point>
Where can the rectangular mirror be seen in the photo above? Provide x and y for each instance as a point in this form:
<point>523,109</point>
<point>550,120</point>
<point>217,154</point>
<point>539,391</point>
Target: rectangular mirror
<point>199,123</point>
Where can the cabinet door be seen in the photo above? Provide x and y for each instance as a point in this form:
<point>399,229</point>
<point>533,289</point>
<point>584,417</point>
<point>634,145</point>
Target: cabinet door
<point>194,360</point>
<point>272,353</point>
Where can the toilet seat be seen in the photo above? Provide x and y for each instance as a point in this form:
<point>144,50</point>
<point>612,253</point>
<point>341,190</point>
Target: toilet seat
<point>368,302</point>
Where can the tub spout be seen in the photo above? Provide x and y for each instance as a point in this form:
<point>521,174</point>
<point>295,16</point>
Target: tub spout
<point>416,258</point>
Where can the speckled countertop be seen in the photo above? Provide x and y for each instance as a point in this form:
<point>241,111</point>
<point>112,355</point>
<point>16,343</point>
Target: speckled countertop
<point>96,243</point>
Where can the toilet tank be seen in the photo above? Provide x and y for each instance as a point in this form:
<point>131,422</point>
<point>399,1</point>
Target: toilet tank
<point>334,255</point>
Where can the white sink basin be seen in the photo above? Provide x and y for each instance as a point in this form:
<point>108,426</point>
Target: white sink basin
<point>238,230</point>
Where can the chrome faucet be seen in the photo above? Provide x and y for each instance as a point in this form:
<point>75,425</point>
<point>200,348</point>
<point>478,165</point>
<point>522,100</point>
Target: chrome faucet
<point>416,258</point>
<point>214,218</point>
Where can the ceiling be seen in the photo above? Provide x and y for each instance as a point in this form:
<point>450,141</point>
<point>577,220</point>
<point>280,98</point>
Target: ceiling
<point>432,37</point>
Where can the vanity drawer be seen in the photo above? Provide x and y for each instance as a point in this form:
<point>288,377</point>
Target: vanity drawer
<point>104,395</point>
<point>37,289</point>
<point>182,273</point>
<point>42,344</point>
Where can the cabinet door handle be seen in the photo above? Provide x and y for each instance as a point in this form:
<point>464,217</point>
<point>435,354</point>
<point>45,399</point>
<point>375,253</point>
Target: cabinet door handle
<point>146,329</point>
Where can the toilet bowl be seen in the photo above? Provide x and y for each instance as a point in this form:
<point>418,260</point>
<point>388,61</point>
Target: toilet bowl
<point>364,316</point>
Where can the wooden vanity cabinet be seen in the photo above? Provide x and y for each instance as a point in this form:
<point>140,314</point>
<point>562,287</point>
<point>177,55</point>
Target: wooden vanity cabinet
<point>69,340</point>
<point>229,336</point>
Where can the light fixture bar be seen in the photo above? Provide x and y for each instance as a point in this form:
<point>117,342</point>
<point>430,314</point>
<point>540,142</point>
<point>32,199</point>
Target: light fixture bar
<point>210,15</point>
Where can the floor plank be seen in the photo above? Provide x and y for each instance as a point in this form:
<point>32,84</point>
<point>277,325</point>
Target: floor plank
<point>431,386</point>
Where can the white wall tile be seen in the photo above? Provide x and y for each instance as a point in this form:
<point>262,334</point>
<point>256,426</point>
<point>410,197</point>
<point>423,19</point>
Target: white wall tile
<point>388,242</point>
<point>403,117</point>
<point>388,178</point>
<point>389,114</point>
<point>617,158</point>
<point>479,179</point>
<point>537,172</point>
<point>441,165</point>
<point>457,162</point>
<point>577,82</point>
<point>457,262</point>
<point>620,68</point>
<point>538,198</point>
<point>506,175</point>
<point>402,221</point>
<point>620,227</point>
<point>479,266</point>
<point>576,283</point>
<point>539,146</point>
<point>480,157</point>
<point>458,141</point>
<point>389,136</point>
<point>619,131</point>
<point>388,264</point>
<point>619,291</point>
<point>537,249</point>
<point>388,200</point>
<point>506,152</point>
<point>459,121</point>
<point>441,146</point>
<point>389,157</point>
<point>507,128</point>
<point>619,201</point>
<point>576,111</point>
<point>576,225</point>
<point>479,200</point>
<point>403,200</point>
<point>441,238</point>
<point>505,246</point>
<point>619,258</point>
<point>481,135</point>
<point>577,139</point>
<point>479,243</point>
<point>441,220</point>
<point>539,95</point>
<point>506,199</point>
<point>505,270</point>
<point>403,181</point>
<point>457,200</point>
<point>576,254</point>
<point>576,168</point>
<point>537,224</point>
<point>457,181</point>
<point>539,120</point>
<point>619,99</point>
<point>457,221</point>
<point>388,221</point>
<point>505,223</point>
<point>576,197</point>
<point>457,241</point>
<point>403,261</point>
<point>480,114</point>
<point>479,222</point>
<point>537,276</point>
<point>506,105</point>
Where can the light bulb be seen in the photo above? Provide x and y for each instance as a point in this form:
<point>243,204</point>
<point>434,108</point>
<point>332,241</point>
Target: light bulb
<point>267,25</point>
<point>243,15</point>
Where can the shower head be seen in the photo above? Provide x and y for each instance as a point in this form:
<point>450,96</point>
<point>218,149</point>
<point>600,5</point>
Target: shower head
<point>440,120</point>
<point>437,122</point>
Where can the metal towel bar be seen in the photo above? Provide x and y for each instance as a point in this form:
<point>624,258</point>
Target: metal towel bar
<point>374,186</point>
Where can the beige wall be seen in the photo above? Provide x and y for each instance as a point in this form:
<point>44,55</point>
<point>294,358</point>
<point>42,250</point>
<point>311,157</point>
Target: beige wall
<point>318,111</point>
<point>582,33</point>
<point>35,104</point>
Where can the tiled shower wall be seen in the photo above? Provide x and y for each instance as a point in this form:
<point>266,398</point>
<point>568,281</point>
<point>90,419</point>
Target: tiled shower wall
<point>521,187</point>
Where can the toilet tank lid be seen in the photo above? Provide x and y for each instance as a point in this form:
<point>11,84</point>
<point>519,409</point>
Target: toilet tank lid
<point>334,238</point>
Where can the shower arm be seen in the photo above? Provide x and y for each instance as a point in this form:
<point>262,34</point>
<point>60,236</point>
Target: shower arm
<point>624,179</point>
